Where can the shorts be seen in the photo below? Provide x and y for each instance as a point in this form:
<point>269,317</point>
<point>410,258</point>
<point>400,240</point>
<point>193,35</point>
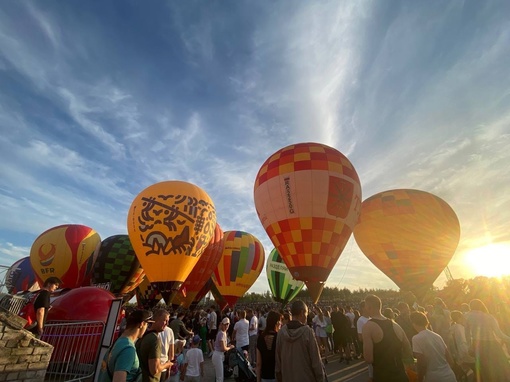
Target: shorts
<point>211,335</point>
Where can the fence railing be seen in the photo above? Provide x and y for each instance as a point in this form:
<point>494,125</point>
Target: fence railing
<point>13,304</point>
<point>76,349</point>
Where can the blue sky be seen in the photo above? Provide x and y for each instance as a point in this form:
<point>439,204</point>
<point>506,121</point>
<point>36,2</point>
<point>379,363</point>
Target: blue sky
<point>100,99</point>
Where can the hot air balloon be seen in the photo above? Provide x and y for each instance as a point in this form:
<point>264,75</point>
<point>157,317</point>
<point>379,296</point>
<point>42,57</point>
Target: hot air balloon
<point>202,271</point>
<point>147,294</point>
<point>117,265</point>
<point>170,224</point>
<point>283,287</point>
<point>308,198</point>
<point>220,300</point>
<point>21,277</point>
<point>67,252</point>
<point>410,235</point>
<point>240,265</point>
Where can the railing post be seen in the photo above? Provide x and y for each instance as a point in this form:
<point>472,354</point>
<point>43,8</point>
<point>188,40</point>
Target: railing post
<point>109,331</point>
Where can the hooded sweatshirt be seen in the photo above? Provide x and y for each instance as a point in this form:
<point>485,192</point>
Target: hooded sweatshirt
<point>297,354</point>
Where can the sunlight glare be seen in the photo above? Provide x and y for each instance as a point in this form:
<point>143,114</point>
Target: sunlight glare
<point>492,260</point>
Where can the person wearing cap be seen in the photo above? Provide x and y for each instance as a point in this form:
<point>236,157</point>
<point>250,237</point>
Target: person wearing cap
<point>121,363</point>
<point>148,349</point>
<point>193,367</point>
<point>220,347</point>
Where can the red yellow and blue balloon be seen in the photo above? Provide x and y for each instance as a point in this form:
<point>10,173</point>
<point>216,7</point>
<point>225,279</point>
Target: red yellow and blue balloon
<point>67,252</point>
<point>241,262</point>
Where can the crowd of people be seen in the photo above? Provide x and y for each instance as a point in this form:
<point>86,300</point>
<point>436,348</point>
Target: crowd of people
<point>398,342</point>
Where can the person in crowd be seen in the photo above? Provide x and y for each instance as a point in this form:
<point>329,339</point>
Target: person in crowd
<point>329,329</point>
<point>266,348</point>
<point>389,313</point>
<point>361,321</point>
<point>342,326</point>
<point>440,319</point>
<point>287,317</point>
<point>166,336</point>
<point>178,361</point>
<point>320,323</point>
<point>297,353</point>
<point>148,349</point>
<point>193,367</point>
<point>262,320</point>
<point>220,347</point>
<point>178,327</point>
<point>458,345</point>
<point>432,355</point>
<point>240,334</point>
<point>385,344</point>
<point>121,363</point>
<point>212,326</point>
<point>203,332</point>
<point>404,320</point>
<point>253,332</point>
<point>42,303</point>
<point>483,333</point>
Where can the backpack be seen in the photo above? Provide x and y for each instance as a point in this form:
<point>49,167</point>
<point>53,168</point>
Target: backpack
<point>29,314</point>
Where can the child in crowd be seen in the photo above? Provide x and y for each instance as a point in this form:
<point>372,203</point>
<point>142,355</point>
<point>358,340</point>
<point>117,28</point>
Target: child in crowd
<point>193,367</point>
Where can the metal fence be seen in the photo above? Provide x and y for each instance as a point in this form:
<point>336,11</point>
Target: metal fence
<point>76,349</point>
<point>13,304</point>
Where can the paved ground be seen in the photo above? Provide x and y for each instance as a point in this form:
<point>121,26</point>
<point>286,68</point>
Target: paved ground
<point>356,371</point>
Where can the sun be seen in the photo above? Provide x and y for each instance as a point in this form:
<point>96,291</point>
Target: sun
<point>492,260</point>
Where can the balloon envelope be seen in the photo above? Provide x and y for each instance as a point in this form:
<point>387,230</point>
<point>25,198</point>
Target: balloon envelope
<point>410,235</point>
<point>169,225</point>
<point>240,265</point>
<point>147,294</point>
<point>283,287</point>
<point>202,271</point>
<point>67,252</point>
<point>21,277</point>
<point>117,265</point>
<point>307,198</point>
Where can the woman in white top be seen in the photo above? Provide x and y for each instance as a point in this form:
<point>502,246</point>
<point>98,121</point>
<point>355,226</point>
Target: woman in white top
<point>220,347</point>
<point>320,323</point>
<point>431,353</point>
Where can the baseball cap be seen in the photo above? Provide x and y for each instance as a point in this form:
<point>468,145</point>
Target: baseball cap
<point>139,316</point>
<point>196,339</point>
<point>225,321</point>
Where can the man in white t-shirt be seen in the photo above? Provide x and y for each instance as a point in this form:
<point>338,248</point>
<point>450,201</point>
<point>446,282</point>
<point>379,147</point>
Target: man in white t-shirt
<point>240,335</point>
<point>193,366</point>
<point>167,348</point>
<point>253,331</point>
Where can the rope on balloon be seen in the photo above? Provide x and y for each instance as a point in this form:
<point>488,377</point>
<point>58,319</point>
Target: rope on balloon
<point>348,261</point>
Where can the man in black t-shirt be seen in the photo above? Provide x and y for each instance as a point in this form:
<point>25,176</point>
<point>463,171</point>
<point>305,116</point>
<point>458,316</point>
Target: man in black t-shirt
<point>42,303</point>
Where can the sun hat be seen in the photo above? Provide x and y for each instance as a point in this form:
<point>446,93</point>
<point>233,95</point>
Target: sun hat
<point>225,321</point>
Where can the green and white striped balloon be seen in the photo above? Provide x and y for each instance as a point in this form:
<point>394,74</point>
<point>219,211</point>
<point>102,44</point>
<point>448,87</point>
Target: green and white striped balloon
<point>283,287</point>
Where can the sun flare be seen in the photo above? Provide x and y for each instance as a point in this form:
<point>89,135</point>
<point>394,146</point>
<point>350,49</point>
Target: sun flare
<point>491,260</point>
